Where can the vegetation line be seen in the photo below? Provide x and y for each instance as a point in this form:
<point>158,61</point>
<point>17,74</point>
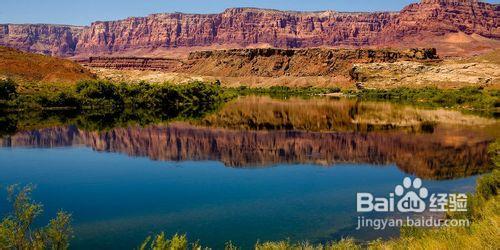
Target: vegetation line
<point>470,98</point>
<point>104,95</point>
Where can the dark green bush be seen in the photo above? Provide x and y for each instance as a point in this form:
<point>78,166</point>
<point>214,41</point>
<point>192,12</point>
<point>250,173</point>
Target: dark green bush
<point>8,89</point>
<point>60,99</point>
<point>99,94</point>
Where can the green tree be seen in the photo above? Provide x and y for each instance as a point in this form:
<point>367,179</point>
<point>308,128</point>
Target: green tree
<point>16,229</point>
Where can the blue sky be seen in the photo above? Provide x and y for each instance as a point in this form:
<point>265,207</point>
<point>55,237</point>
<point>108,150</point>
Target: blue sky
<point>83,12</point>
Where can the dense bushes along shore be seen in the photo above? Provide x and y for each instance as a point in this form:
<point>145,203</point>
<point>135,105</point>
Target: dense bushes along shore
<point>107,95</point>
<point>197,98</point>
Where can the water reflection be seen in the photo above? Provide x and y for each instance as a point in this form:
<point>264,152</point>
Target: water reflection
<point>323,114</point>
<point>262,132</point>
<point>448,152</point>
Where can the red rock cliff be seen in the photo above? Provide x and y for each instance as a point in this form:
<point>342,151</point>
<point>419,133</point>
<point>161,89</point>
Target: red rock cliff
<point>41,38</point>
<point>439,17</point>
<point>248,26</point>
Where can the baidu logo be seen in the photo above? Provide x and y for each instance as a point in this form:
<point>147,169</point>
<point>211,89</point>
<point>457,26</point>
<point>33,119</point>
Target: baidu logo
<point>412,201</point>
<point>409,197</point>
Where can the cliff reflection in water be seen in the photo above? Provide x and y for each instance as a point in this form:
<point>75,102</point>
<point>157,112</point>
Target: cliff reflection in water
<point>258,131</point>
<point>323,114</point>
<point>448,152</point>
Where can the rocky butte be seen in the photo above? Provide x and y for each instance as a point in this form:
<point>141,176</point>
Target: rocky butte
<point>430,22</point>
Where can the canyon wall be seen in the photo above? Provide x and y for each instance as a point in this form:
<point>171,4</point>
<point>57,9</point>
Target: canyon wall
<point>241,27</point>
<point>58,40</point>
<point>438,17</point>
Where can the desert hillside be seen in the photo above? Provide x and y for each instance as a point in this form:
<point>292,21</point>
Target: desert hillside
<point>27,67</point>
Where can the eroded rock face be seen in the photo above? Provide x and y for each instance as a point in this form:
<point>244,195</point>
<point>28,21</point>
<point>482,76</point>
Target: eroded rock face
<point>60,40</point>
<point>137,63</point>
<point>438,17</point>
<point>266,62</point>
<point>248,26</point>
<point>303,62</point>
<point>241,26</point>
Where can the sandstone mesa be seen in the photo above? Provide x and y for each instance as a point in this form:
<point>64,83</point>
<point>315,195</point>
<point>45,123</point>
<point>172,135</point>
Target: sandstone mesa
<point>428,21</point>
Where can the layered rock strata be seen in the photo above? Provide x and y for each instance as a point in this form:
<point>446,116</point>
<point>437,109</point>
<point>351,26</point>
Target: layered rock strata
<point>243,27</point>
<point>266,62</point>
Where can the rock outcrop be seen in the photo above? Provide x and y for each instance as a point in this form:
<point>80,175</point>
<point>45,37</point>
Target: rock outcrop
<point>413,74</point>
<point>137,63</point>
<point>266,62</point>
<point>439,17</point>
<point>249,27</point>
<point>302,62</point>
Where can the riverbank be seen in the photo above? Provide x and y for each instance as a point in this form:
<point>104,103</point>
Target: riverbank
<point>475,99</point>
<point>98,94</point>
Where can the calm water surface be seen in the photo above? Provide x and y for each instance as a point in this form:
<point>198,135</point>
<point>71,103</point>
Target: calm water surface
<point>249,172</point>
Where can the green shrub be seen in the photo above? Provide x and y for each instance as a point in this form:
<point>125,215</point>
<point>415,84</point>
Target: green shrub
<point>99,94</point>
<point>161,242</point>
<point>8,89</point>
<point>488,185</point>
<point>16,229</point>
<point>494,153</point>
<point>60,99</point>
